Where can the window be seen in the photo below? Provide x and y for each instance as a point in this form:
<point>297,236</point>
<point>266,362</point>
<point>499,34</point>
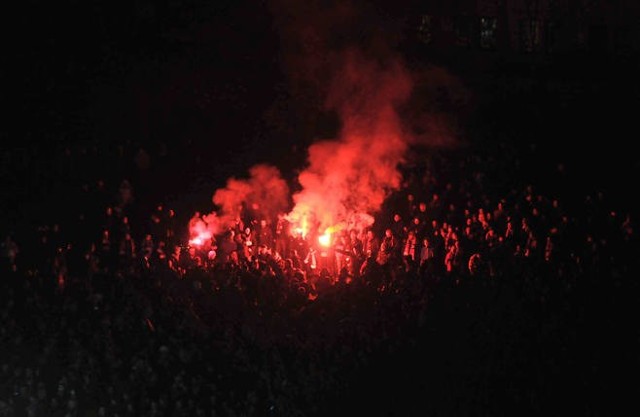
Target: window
<point>488,29</point>
<point>425,29</point>
<point>530,35</point>
<point>446,24</point>
<point>463,31</point>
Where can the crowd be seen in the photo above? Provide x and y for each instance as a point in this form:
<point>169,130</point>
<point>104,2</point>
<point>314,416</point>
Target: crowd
<point>474,292</point>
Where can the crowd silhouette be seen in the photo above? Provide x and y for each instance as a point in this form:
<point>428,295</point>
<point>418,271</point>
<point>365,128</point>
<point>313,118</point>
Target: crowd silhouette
<point>475,292</point>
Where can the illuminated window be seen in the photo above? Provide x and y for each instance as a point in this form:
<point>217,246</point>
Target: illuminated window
<point>425,29</point>
<point>488,29</point>
<point>530,35</point>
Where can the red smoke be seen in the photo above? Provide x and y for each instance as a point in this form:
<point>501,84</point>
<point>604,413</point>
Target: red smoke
<point>347,179</point>
<point>333,67</point>
<point>265,191</point>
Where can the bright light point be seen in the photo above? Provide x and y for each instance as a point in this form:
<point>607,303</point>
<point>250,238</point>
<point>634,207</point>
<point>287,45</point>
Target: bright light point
<point>325,239</point>
<point>200,239</point>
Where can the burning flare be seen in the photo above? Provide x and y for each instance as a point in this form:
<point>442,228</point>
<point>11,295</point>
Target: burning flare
<point>325,238</point>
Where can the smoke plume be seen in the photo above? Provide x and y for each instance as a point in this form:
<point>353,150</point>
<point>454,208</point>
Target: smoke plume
<point>263,195</point>
<point>347,179</point>
<point>340,58</point>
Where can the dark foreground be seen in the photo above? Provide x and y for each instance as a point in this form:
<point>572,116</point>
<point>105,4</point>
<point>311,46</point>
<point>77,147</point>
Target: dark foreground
<point>544,326</point>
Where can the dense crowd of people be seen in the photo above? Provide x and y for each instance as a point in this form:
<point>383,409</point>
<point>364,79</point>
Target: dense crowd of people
<point>474,292</point>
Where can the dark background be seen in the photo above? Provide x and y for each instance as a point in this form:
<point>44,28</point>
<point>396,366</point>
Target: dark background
<point>211,78</point>
<point>143,72</point>
<point>203,87</point>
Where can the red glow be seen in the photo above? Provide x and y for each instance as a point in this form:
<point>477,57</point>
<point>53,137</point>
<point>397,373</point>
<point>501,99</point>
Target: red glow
<point>200,233</point>
<point>201,239</point>
<point>347,178</point>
